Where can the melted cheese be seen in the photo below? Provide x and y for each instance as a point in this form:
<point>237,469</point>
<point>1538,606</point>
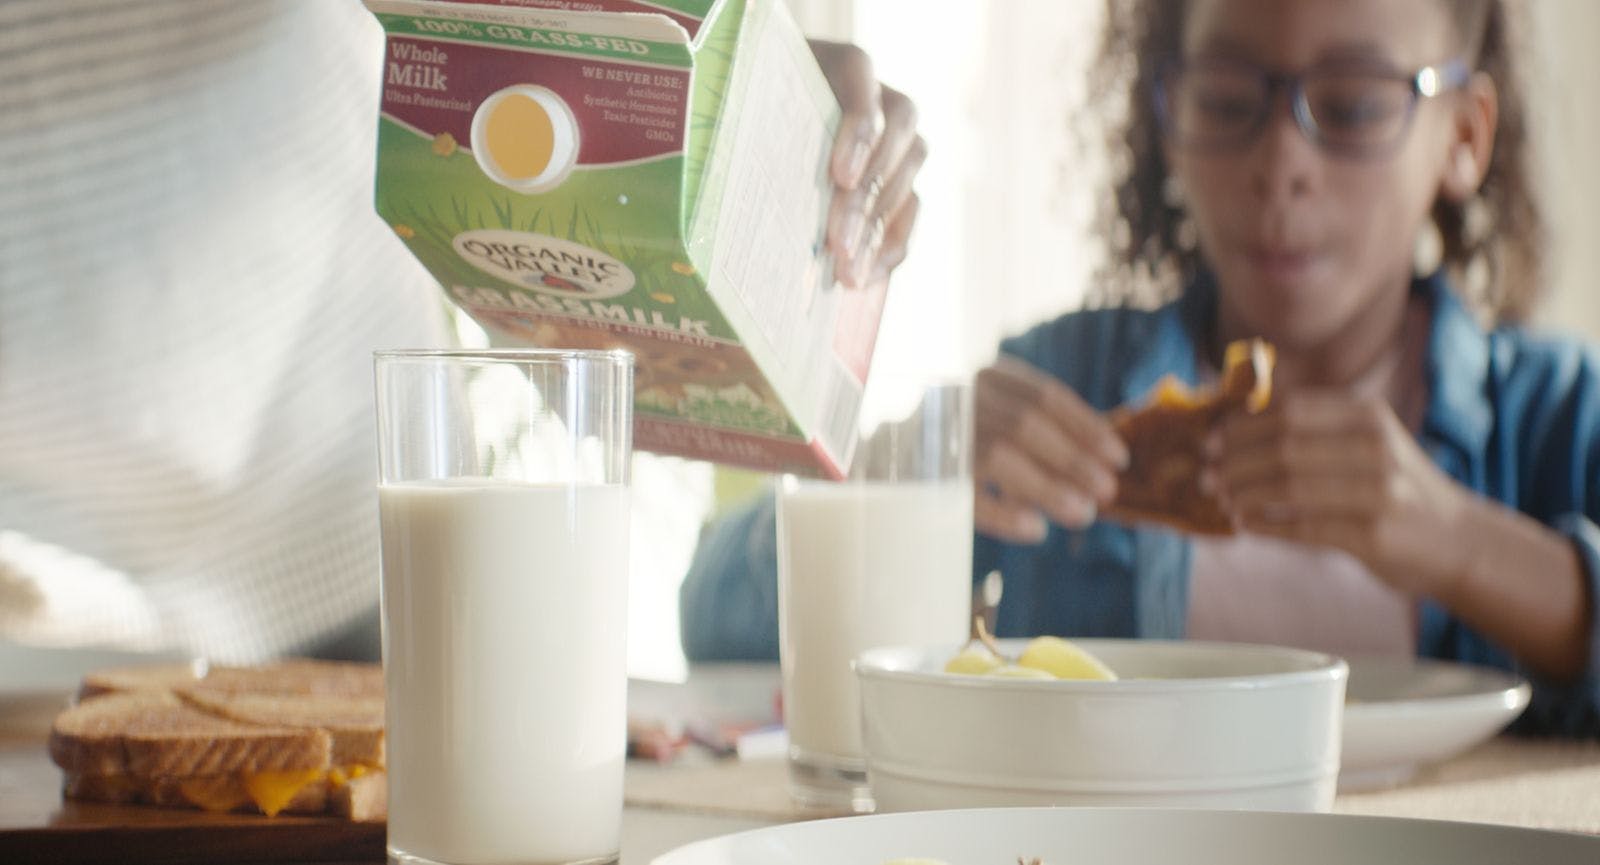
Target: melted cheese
<point>271,791</point>
<point>1172,392</point>
<point>342,775</point>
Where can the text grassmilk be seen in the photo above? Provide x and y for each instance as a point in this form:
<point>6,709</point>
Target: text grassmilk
<point>506,674</point>
<point>865,564</point>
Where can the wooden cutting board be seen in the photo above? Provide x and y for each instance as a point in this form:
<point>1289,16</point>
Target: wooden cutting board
<point>37,825</point>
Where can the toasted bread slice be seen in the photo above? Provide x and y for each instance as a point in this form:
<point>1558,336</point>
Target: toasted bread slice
<point>1165,437</point>
<point>355,724</point>
<point>146,677</point>
<point>298,676</point>
<point>365,797</point>
<point>228,792</point>
<point>151,734</point>
<point>356,793</point>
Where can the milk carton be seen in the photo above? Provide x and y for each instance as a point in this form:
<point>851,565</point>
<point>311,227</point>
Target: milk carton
<point>650,175</point>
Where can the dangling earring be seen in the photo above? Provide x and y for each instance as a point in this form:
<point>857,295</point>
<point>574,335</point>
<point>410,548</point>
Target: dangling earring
<point>1427,251</point>
<point>1476,221</point>
<point>1477,282</point>
<point>1172,192</point>
<point>1173,196</point>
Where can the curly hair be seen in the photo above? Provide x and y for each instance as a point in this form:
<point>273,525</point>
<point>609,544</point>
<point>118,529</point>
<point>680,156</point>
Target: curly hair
<point>1492,245</point>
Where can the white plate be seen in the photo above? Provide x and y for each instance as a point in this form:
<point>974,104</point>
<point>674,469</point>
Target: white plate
<point>1131,836</point>
<point>1401,713</point>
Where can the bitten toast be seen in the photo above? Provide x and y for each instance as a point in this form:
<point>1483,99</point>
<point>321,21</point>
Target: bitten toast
<point>1165,436</point>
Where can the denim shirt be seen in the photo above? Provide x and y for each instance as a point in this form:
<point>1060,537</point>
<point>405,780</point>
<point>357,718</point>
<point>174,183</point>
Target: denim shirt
<point>1513,416</point>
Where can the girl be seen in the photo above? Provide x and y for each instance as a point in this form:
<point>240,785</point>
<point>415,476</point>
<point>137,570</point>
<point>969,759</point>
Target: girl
<point>1418,484</point>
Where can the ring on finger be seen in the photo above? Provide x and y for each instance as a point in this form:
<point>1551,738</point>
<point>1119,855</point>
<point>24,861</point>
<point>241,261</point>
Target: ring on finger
<point>874,190</point>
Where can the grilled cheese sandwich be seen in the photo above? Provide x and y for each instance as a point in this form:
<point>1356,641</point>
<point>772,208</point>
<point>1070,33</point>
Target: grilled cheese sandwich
<point>297,737</point>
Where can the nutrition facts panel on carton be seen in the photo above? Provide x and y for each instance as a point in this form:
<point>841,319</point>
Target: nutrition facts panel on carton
<point>774,257</point>
<point>771,255</point>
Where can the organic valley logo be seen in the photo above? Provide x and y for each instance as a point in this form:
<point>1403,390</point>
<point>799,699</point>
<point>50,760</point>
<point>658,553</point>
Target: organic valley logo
<point>545,264</point>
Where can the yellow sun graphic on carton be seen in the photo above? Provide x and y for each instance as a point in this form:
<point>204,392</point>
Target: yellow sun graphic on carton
<point>404,230</point>
<point>683,268</point>
<point>444,144</point>
<point>525,138</point>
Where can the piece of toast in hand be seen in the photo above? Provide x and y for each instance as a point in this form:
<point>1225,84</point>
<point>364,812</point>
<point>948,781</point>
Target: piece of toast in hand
<point>1165,436</point>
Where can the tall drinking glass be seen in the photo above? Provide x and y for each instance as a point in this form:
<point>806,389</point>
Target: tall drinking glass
<point>883,558</point>
<point>503,499</point>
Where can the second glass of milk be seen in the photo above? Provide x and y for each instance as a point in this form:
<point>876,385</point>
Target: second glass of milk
<point>503,503</point>
<point>883,558</point>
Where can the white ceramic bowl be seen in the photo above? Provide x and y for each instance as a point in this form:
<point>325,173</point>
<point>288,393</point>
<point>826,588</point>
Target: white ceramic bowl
<point>1189,724</point>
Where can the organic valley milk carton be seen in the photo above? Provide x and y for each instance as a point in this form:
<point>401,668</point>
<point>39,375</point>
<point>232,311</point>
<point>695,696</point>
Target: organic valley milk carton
<point>651,175</point>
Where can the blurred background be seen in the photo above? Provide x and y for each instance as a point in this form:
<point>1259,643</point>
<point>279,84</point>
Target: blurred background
<point>1004,238</point>
<point>1004,234</point>
<point>1008,194</point>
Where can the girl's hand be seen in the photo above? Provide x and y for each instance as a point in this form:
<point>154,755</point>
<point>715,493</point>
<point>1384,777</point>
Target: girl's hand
<point>1330,469</point>
<point>875,160</point>
<point>1040,452</point>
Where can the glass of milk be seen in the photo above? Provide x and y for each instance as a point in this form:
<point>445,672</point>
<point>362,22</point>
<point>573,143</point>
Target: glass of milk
<point>883,558</point>
<point>503,501</point>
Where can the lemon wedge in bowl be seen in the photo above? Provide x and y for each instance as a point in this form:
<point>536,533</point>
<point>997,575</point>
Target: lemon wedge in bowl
<point>1042,658</point>
<point>975,660</point>
<point>1063,659</point>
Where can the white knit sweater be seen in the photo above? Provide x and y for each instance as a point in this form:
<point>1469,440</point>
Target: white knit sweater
<point>192,281</point>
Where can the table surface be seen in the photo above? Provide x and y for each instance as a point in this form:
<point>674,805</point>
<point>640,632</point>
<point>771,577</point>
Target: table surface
<point>1535,783</point>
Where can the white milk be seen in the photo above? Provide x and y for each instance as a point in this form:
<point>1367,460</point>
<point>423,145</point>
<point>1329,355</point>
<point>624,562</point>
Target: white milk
<point>505,611</point>
<point>864,565</point>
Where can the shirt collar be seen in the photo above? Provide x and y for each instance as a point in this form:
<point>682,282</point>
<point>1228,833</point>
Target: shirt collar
<point>1456,367</point>
<point>1457,372</point>
<point>1171,346</point>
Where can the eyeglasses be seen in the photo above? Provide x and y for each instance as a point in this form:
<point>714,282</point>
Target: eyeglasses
<point>1218,105</point>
